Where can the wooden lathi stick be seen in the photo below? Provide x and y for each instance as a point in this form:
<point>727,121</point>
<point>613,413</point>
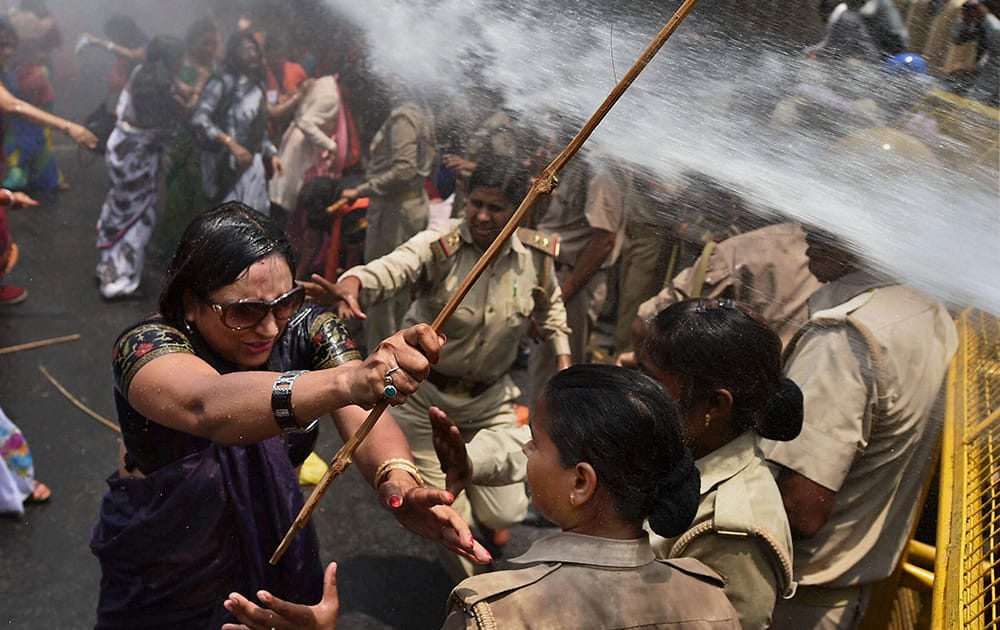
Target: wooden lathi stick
<point>76,403</point>
<point>545,184</point>
<point>335,207</point>
<point>31,345</point>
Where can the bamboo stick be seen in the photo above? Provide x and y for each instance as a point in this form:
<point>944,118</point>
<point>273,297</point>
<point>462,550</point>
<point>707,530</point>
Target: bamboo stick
<point>545,184</point>
<point>335,207</point>
<point>31,345</point>
<point>76,403</point>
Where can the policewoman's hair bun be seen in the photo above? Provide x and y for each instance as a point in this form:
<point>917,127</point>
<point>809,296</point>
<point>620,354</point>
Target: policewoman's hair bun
<point>781,418</point>
<point>677,496</point>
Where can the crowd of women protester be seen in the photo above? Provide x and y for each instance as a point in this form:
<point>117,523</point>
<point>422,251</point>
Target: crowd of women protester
<point>701,482</point>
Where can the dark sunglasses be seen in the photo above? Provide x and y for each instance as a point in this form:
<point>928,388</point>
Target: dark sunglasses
<point>243,314</point>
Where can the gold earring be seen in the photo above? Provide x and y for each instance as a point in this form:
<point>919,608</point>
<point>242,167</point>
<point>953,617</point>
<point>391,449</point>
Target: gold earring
<point>708,420</point>
<point>572,499</point>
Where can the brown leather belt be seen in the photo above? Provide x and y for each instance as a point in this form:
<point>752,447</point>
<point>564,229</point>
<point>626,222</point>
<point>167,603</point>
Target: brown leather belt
<point>457,386</point>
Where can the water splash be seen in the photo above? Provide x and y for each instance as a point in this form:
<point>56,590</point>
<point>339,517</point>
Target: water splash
<point>706,102</point>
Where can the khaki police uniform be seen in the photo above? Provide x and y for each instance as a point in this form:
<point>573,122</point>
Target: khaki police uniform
<point>497,135</point>
<point>471,382</point>
<point>870,363</point>
<point>585,582</point>
<point>402,154</point>
<point>940,37</point>
<point>590,197</point>
<point>766,268</point>
<point>740,531</point>
<point>919,17</point>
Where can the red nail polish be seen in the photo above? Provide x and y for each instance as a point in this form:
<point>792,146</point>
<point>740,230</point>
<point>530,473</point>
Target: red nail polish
<point>395,502</point>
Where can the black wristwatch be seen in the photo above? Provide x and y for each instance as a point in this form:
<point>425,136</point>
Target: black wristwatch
<point>281,403</point>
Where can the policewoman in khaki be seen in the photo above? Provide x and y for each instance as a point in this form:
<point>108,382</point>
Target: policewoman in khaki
<point>722,364</point>
<point>401,156</point>
<point>518,293</point>
<point>607,452</point>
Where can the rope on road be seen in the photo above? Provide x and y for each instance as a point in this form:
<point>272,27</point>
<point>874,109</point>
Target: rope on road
<point>79,405</point>
<point>31,345</point>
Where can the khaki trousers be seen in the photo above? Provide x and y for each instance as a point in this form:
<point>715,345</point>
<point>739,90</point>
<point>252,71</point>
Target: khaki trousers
<point>496,507</point>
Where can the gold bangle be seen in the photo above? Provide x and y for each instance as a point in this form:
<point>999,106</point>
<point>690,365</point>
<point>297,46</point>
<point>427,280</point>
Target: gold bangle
<point>397,463</point>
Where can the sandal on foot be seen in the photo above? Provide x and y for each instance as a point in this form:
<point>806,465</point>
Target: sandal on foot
<point>40,494</point>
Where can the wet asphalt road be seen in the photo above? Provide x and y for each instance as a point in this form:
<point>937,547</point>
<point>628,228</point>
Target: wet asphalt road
<point>388,577</point>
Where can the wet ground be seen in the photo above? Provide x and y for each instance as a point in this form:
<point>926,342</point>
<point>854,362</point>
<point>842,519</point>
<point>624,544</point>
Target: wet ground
<point>389,578</point>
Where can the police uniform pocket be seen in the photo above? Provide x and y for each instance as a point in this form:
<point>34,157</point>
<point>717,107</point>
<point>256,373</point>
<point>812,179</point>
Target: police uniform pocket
<point>519,310</point>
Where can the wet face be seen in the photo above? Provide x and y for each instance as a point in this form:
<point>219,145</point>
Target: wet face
<point>550,483</point>
<point>265,279</point>
<point>487,210</point>
<point>249,56</point>
<point>828,259</point>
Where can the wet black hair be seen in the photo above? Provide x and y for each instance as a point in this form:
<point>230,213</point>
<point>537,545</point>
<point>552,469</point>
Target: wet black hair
<point>700,193</point>
<point>231,61</point>
<point>153,81</point>
<point>507,174</point>
<point>8,33</point>
<point>124,31</point>
<point>628,428</point>
<point>216,248</point>
<point>716,344</point>
<point>315,197</point>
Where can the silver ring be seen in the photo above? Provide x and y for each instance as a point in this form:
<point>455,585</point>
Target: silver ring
<point>391,370</point>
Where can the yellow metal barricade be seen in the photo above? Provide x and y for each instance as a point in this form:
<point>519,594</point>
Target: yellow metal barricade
<point>967,565</point>
<point>969,133</point>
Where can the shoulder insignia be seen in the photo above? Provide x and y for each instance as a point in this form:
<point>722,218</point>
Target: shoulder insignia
<point>479,588</point>
<point>695,568</point>
<point>447,245</point>
<point>545,243</point>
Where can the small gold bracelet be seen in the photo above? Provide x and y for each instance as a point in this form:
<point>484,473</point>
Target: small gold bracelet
<point>397,463</point>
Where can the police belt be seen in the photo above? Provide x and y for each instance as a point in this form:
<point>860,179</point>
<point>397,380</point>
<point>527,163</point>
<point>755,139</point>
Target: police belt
<point>457,386</point>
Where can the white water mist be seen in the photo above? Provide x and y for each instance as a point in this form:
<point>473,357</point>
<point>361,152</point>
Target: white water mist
<point>704,103</point>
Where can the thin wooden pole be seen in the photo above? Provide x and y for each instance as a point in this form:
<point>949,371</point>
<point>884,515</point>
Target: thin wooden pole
<point>76,403</point>
<point>545,184</point>
<point>31,345</point>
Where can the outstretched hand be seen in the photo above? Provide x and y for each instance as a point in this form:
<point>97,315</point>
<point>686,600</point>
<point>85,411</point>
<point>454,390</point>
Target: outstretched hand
<point>427,512</point>
<point>287,615</point>
<point>450,448</point>
<point>82,136</point>
<point>343,295</point>
<point>23,200</point>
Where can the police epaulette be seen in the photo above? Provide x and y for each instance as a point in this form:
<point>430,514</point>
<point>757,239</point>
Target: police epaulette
<point>546,243</point>
<point>447,245</point>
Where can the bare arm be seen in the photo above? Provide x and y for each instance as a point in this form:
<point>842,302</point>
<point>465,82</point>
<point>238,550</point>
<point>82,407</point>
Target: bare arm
<point>10,104</point>
<point>807,503</point>
<point>183,392</point>
<point>594,253</point>
<point>131,54</point>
